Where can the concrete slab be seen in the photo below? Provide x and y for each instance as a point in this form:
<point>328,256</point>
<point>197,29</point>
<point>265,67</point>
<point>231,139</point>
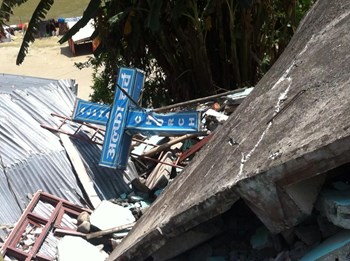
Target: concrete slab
<point>109,215</point>
<point>293,127</point>
<point>72,248</point>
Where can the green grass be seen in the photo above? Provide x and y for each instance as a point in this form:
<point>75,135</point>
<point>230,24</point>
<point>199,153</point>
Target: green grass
<point>61,8</point>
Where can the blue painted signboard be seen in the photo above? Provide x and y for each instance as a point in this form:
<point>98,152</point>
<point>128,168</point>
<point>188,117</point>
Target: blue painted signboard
<point>117,142</point>
<point>124,119</point>
<point>140,121</point>
<point>163,124</point>
<point>91,112</point>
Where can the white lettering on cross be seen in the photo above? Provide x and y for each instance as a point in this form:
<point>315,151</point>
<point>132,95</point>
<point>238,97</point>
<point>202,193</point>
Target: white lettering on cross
<point>181,122</point>
<point>158,122</point>
<point>171,122</point>
<point>101,113</point>
<point>191,122</point>
<point>115,131</point>
<point>138,119</point>
<point>125,84</point>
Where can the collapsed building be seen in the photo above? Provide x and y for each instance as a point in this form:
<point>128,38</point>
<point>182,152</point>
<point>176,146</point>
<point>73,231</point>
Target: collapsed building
<point>270,184</point>
<point>50,178</point>
<point>282,150</point>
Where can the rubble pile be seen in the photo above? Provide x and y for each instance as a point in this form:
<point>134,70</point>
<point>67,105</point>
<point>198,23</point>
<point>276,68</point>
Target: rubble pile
<point>237,234</point>
<point>323,235</point>
<point>272,184</point>
<point>160,159</point>
<point>279,154</point>
<point>155,161</point>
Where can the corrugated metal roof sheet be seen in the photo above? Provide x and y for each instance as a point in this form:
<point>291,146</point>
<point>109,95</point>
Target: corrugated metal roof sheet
<point>10,211</point>
<point>109,183</point>
<point>33,157</point>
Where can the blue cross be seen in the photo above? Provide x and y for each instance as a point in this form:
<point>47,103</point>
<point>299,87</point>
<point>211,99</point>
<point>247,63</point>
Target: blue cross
<point>124,119</point>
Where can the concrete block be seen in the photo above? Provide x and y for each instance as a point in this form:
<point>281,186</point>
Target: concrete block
<point>191,241</point>
<point>109,215</point>
<point>75,248</point>
<point>84,227</point>
<point>305,193</point>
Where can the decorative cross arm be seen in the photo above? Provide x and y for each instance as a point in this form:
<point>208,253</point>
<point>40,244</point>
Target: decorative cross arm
<point>124,119</point>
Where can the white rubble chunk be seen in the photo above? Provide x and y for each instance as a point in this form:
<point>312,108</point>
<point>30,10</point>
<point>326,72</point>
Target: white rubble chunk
<point>109,215</point>
<point>219,116</point>
<point>72,248</point>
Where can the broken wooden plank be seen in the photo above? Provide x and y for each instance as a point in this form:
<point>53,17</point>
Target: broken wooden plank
<point>80,170</point>
<point>109,231</point>
<point>164,146</point>
<point>199,100</point>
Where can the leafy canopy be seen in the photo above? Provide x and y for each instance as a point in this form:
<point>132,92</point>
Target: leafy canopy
<point>188,48</point>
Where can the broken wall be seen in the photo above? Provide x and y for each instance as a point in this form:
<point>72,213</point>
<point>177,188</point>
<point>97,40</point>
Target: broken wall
<point>292,128</point>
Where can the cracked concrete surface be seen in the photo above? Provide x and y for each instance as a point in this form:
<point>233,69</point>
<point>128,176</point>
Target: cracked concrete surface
<point>290,130</point>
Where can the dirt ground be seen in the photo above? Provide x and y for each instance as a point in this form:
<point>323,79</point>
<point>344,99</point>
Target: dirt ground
<point>47,59</point>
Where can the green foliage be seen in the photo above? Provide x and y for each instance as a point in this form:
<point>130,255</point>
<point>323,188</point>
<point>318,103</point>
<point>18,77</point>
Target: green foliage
<point>200,47</point>
<point>33,28</point>
<point>6,9</point>
<point>188,48</point>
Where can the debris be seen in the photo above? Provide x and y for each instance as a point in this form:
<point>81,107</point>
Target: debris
<point>109,215</point>
<point>146,175</point>
<point>335,205</point>
<point>196,147</point>
<point>83,217</point>
<point>202,100</point>
<point>75,248</point>
<point>191,242</point>
<point>33,234</point>
<point>145,145</point>
<point>160,175</point>
<point>84,227</point>
<point>65,232</point>
<point>80,170</point>
<point>336,247</point>
<point>109,231</point>
<point>220,117</point>
<point>305,134</point>
<point>168,144</point>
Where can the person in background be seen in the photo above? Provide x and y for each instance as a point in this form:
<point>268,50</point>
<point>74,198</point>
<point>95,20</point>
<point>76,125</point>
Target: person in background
<point>51,28</point>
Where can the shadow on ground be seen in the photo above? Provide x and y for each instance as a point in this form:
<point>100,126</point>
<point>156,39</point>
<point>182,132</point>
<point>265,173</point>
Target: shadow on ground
<point>80,49</point>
